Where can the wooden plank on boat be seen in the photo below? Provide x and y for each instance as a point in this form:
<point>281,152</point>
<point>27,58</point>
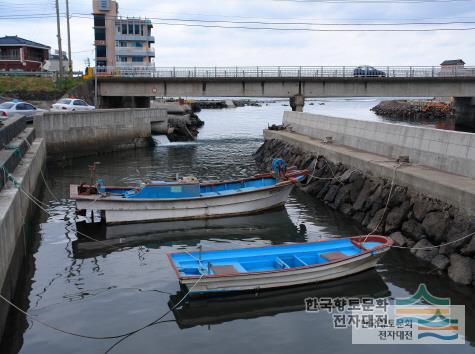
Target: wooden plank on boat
<point>333,256</point>
<point>223,269</point>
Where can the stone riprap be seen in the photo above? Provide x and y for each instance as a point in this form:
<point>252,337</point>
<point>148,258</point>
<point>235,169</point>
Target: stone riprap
<point>411,110</point>
<point>412,219</point>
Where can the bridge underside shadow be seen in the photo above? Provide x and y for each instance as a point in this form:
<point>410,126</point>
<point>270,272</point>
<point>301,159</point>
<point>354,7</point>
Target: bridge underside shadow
<point>124,102</point>
<point>465,113</point>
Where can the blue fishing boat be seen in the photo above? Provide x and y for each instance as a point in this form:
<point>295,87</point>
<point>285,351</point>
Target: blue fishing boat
<point>277,266</point>
<point>188,198</point>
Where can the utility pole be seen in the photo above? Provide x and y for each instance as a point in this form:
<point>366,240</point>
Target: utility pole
<point>60,48</point>
<point>70,66</point>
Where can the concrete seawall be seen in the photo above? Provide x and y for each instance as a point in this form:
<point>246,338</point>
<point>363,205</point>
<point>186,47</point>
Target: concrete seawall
<point>449,151</point>
<point>70,134</point>
<point>15,206</point>
<point>422,208</point>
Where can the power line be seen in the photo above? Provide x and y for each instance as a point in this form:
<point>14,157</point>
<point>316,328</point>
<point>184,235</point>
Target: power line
<point>298,23</point>
<point>272,28</point>
<point>276,26</point>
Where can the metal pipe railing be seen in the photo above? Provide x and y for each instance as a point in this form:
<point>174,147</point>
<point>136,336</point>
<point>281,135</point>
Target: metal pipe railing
<point>288,71</point>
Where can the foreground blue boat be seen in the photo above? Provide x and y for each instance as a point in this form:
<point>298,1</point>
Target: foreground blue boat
<point>277,266</point>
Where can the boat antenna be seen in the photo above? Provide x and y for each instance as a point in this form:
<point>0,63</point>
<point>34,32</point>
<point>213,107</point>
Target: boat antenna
<point>200,248</point>
<point>137,169</point>
<point>92,170</point>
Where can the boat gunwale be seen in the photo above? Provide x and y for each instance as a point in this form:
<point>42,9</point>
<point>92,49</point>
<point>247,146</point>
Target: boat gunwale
<point>387,244</point>
<point>93,197</point>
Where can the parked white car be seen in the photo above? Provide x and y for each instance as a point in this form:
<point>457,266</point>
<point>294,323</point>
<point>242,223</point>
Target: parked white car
<point>71,104</point>
<point>13,109</point>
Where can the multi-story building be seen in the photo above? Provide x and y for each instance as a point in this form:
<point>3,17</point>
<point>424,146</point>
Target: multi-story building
<point>121,41</point>
<point>19,54</point>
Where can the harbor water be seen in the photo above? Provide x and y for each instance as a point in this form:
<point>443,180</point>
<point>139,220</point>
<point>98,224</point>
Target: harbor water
<point>124,283</point>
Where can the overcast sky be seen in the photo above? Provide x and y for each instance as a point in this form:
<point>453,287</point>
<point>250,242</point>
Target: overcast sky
<point>197,46</point>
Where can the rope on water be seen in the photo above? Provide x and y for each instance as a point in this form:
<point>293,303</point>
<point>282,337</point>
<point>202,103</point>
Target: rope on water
<point>35,319</point>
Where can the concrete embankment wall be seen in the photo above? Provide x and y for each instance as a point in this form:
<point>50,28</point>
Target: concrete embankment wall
<point>448,151</point>
<point>428,210</point>
<point>69,134</point>
<point>15,206</point>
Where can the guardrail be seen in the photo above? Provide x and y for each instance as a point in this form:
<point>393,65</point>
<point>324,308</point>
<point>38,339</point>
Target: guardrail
<point>288,72</point>
<point>50,74</point>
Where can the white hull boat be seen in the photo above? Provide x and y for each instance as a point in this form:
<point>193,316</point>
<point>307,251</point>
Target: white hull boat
<point>180,200</point>
<point>277,266</point>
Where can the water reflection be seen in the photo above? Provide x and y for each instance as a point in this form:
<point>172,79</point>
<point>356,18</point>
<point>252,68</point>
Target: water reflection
<point>274,227</point>
<point>216,310</point>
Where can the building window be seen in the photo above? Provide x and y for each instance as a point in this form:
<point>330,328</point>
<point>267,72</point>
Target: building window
<point>131,29</point>
<point>138,44</point>
<point>141,30</point>
<point>99,21</point>
<point>137,59</point>
<point>101,51</point>
<point>124,28</point>
<point>121,59</point>
<point>137,29</point>
<point>10,53</point>
<point>118,29</point>
<point>101,64</point>
<point>100,34</point>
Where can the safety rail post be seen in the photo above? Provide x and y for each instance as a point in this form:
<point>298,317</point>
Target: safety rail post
<point>343,72</point>
<point>387,71</point>
<point>433,71</point>
<point>321,71</point>
<point>257,71</point>
<point>279,74</point>
<point>174,72</point>
<point>236,71</point>
<point>194,72</point>
<point>215,72</point>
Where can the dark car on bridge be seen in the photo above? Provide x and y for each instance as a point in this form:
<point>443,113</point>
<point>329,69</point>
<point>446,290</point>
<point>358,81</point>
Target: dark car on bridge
<point>368,71</point>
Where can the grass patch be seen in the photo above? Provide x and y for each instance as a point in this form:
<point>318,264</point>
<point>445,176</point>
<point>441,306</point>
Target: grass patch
<point>36,84</point>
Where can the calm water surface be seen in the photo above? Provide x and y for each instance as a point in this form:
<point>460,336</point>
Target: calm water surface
<point>125,282</point>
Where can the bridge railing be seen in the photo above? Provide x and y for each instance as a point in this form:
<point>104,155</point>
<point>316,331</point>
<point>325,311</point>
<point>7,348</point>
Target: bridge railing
<point>288,71</point>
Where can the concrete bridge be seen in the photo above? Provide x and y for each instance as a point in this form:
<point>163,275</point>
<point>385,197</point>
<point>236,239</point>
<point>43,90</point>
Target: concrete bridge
<point>133,86</point>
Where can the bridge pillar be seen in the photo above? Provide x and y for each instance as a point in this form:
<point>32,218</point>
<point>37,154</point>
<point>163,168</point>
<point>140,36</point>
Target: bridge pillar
<point>297,102</point>
<point>465,113</point>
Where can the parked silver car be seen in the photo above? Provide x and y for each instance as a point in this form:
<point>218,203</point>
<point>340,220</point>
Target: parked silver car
<point>71,104</point>
<point>13,109</point>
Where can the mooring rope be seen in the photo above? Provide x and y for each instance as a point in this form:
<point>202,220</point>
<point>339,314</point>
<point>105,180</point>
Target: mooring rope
<point>387,203</point>
<point>35,319</point>
<point>38,203</point>
<point>43,177</point>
